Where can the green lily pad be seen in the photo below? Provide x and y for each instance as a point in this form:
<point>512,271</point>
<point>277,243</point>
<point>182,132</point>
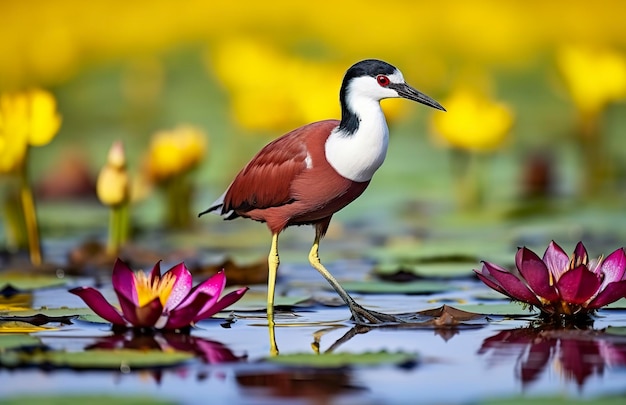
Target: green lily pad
<point>616,330</point>
<point>16,302</point>
<point>468,251</point>
<point>28,282</point>
<point>256,300</point>
<point>430,270</point>
<point>83,399</point>
<point>379,287</point>
<point>509,308</point>
<point>15,340</point>
<point>21,327</point>
<point>96,359</point>
<point>52,312</point>
<point>336,360</point>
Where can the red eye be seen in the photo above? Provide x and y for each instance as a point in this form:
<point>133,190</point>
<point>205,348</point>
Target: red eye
<point>382,80</point>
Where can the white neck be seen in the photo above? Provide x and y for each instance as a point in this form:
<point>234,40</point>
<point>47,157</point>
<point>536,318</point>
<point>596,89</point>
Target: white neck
<point>357,156</point>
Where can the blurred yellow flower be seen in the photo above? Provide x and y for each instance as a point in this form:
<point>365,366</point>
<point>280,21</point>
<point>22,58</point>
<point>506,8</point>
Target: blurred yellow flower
<point>27,118</point>
<point>473,121</point>
<point>594,77</point>
<point>113,182</point>
<point>175,152</point>
<point>270,89</point>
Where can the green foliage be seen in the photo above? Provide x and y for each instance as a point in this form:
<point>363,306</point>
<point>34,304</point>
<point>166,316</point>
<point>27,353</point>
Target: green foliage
<point>337,360</point>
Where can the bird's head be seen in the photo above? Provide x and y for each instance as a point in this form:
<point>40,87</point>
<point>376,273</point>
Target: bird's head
<point>377,80</point>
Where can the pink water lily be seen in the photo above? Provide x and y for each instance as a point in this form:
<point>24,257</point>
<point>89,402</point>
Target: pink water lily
<point>558,284</point>
<point>165,301</point>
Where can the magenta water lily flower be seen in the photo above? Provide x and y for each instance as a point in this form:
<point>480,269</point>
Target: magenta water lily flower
<point>158,301</point>
<point>558,284</point>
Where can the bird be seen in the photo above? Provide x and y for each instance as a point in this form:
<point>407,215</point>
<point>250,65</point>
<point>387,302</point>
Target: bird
<point>305,176</point>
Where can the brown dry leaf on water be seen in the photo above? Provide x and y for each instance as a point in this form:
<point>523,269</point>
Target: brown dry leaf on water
<point>237,274</point>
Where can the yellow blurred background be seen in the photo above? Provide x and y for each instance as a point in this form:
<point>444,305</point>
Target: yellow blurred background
<point>129,69</point>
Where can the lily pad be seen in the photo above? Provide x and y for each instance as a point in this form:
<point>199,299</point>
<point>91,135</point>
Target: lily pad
<point>18,301</point>
<point>616,330</point>
<point>378,287</point>
<point>96,359</point>
<point>256,300</point>
<point>470,251</point>
<point>29,282</point>
<point>21,327</point>
<point>337,360</point>
<point>15,340</point>
<point>503,309</point>
<point>430,270</point>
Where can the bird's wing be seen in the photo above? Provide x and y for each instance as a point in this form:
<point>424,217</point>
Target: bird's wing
<point>266,180</point>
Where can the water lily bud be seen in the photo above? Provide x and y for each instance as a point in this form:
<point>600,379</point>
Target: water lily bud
<point>113,182</point>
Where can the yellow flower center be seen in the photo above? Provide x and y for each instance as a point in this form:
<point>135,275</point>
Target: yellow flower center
<point>148,289</point>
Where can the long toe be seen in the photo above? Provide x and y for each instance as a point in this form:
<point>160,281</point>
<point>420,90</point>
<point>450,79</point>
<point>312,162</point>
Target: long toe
<point>364,316</point>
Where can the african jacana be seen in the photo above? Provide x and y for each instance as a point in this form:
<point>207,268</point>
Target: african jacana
<point>308,174</point>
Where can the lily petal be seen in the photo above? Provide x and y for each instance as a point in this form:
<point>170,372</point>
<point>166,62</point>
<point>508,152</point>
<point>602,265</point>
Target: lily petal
<point>577,285</point>
<point>123,279</point>
<point>213,286</point>
<point>511,284</point>
<point>145,316</point>
<point>488,279</point>
<point>155,274</point>
<point>182,286</point>
<point>98,304</point>
<point>536,274</point>
<point>611,293</point>
<point>556,260</point>
<point>614,267</point>
<point>580,253</point>
<point>181,317</point>
<point>228,299</point>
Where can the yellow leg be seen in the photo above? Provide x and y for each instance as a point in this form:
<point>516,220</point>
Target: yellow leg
<point>272,261</point>
<point>360,314</point>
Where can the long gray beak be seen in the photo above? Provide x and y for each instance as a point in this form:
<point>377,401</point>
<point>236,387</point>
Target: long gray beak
<point>408,92</point>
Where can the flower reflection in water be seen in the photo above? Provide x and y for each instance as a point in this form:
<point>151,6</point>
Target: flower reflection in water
<point>576,354</point>
<point>209,351</point>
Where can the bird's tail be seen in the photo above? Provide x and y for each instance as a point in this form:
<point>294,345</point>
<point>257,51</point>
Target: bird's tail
<point>210,209</point>
<point>218,208</point>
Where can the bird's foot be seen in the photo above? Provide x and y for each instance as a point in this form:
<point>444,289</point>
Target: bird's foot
<point>364,316</point>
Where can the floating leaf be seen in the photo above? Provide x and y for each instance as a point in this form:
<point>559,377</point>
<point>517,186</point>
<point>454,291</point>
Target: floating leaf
<point>20,327</point>
<point>393,271</point>
<point>502,309</point>
<point>239,273</point>
<point>28,282</point>
<point>616,330</point>
<point>256,300</point>
<point>17,301</point>
<point>336,360</point>
<point>15,340</point>
<point>96,359</point>
<point>467,251</point>
<point>38,319</point>
<point>378,287</point>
